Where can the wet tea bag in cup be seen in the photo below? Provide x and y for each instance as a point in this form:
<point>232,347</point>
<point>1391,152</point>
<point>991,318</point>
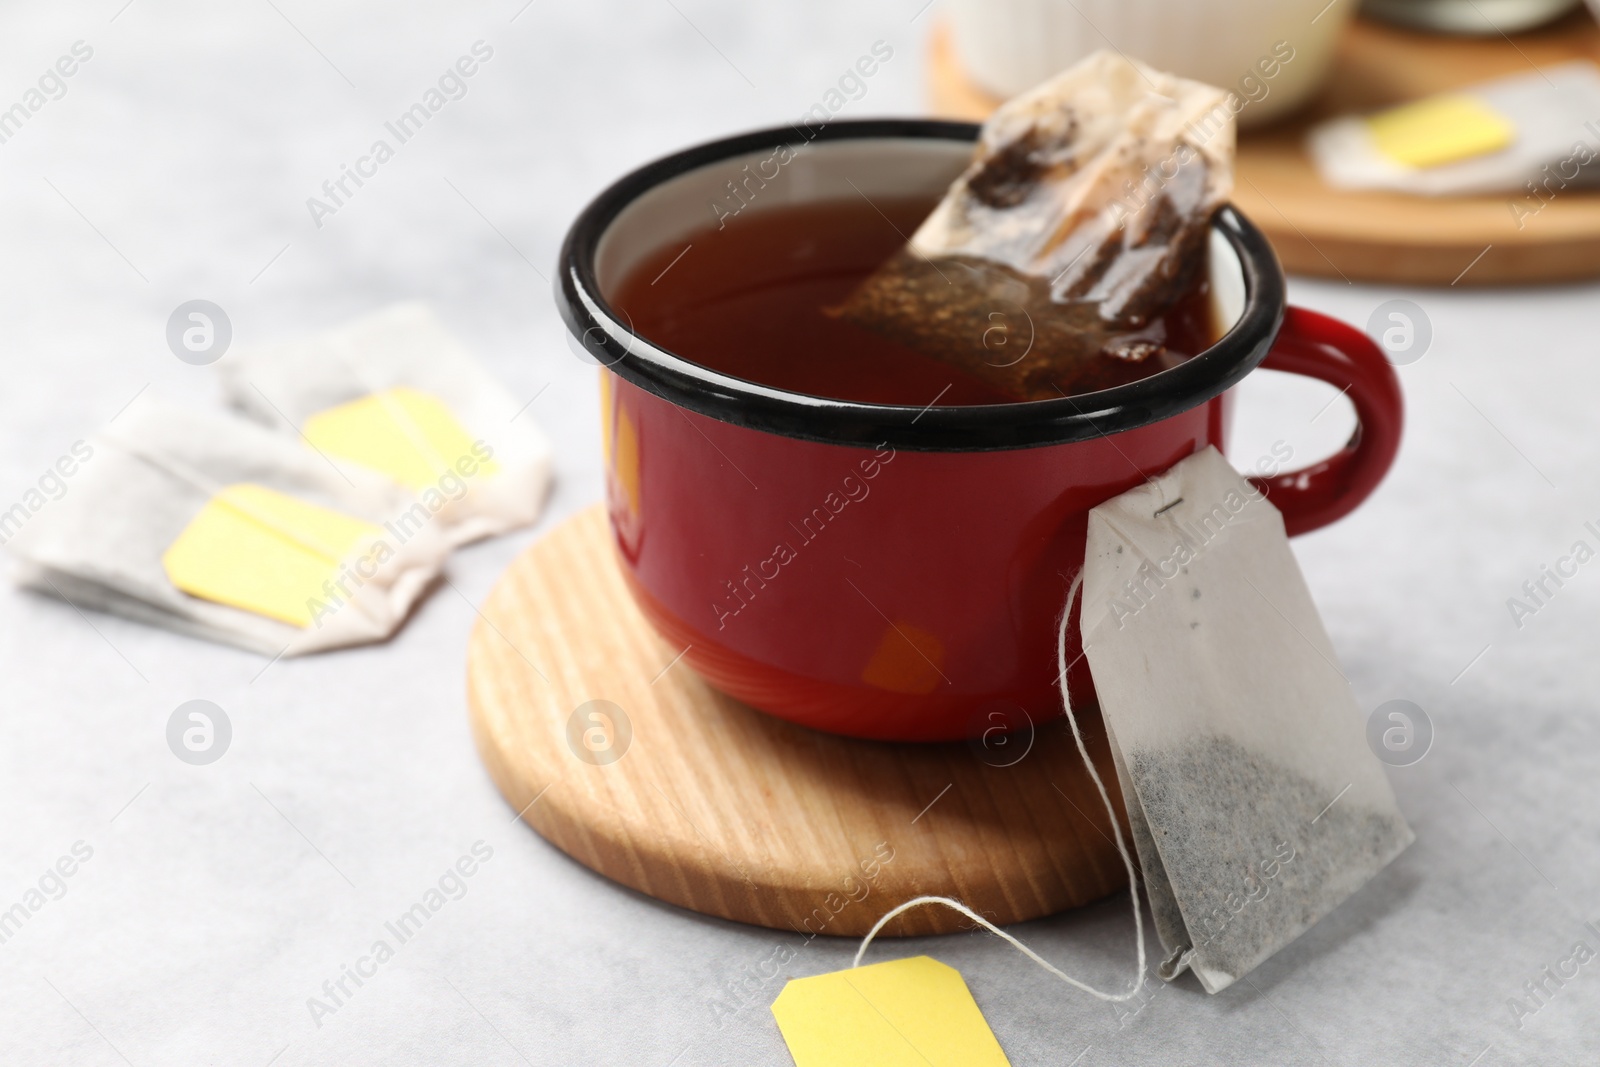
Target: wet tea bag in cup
<point>395,393</point>
<point>1255,804</point>
<point>1080,222</point>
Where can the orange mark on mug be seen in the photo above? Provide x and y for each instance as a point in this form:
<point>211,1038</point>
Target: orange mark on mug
<point>606,401</point>
<point>619,444</point>
<point>625,458</point>
<point>907,660</point>
<point>619,431</point>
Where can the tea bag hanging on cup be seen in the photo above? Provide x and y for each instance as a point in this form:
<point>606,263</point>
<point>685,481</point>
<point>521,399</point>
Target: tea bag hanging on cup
<point>1255,803</point>
<point>1082,220</point>
<point>1255,806</point>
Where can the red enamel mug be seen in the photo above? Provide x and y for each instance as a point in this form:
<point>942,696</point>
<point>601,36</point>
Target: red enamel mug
<point>897,572</point>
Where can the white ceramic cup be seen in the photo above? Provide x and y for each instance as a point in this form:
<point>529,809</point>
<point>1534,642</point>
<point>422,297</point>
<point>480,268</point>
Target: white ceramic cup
<point>1476,18</point>
<point>1008,46</point>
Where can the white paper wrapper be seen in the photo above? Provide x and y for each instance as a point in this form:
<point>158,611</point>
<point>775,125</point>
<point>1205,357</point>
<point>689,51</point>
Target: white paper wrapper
<point>153,469</point>
<point>283,385</point>
<point>1255,803</point>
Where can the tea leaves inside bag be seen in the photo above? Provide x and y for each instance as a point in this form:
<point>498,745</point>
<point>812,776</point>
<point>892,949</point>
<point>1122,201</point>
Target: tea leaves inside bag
<point>1052,264</point>
<point>1255,804</point>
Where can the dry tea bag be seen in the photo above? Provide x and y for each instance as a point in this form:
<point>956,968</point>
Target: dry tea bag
<point>212,526</point>
<point>1532,135</point>
<point>1255,804</point>
<point>1081,221</point>
<point>395,393</point>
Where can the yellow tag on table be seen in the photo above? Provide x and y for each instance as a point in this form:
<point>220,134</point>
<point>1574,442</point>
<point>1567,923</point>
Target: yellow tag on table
<point>257,549</point>
<point>1439,130</point>
<point>404,433</point>
<point>905,1013</point>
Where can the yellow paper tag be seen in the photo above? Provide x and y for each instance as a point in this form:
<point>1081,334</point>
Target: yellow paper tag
<point>261,550</point>
<point>407,434</point>
<point>1440,129</point>
<point>904,1013</point>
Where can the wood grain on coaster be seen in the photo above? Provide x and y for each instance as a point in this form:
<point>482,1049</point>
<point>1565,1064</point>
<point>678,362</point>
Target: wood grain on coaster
<point>716,807</point>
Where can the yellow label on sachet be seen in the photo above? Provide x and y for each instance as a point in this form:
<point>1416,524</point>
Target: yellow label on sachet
<point>1439,130</point>
<point>263,551</point>
<point>905,1013</point>
<point>404,433</point>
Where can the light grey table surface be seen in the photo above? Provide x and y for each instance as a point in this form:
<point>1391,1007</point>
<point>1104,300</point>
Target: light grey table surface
<point>218,899</point>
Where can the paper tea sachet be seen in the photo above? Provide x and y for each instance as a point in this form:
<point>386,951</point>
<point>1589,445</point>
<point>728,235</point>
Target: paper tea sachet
<point>212,526</point>
<point>903,1013</point>
<point>395,393</point>
<point>1082,219</point>
<point>1531,135</point>
<point>1255,803</point>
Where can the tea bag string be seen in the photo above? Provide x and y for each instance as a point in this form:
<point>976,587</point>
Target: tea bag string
<point>1116,828</point>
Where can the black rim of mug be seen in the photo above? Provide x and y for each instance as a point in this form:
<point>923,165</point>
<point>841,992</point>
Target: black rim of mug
<point>601,332</point>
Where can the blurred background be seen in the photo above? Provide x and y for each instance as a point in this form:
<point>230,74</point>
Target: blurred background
<point>176,164</point>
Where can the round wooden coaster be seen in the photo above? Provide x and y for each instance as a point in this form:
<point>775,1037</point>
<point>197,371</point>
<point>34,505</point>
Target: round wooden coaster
<point>693,798</point>
<point>1387,237</point>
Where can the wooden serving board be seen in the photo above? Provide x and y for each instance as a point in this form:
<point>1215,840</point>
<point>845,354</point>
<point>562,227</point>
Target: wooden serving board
<point>1386,237</point>
<point>716,807</point>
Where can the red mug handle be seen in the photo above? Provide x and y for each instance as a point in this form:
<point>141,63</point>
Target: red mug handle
<point>1332,351</point>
